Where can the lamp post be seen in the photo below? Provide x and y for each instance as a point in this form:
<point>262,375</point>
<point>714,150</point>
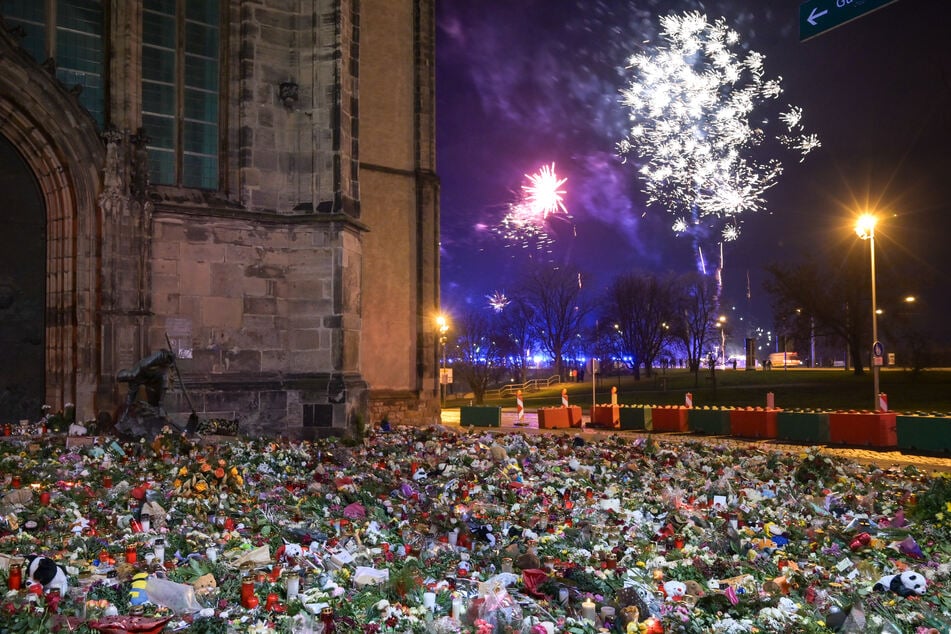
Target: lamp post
<point>865,229</point>
<point>721,324</point>
<point>443,324</point>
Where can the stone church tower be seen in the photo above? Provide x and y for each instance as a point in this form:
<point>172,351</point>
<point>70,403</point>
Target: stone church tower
<point>249,182</point>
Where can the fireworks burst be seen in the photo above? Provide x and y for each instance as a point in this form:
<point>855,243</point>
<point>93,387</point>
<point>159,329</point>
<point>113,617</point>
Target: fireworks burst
<point>543,194</point>
<point>498,301</point>
<point>691,104</point>
<point>542,197</point>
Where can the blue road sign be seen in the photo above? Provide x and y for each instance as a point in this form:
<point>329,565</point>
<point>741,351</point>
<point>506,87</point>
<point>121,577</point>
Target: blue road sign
<point>817,16</point>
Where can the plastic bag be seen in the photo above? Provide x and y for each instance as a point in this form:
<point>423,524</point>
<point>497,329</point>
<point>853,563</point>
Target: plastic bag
<point>177,597</point>
<point>500,610</point>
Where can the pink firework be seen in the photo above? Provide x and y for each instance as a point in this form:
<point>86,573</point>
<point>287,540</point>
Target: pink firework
<point>525,222</point>
<point>543,194</point>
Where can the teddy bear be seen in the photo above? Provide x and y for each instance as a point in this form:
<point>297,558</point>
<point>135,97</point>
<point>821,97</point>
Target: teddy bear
<point>675,590</point>
<point>906,584</point>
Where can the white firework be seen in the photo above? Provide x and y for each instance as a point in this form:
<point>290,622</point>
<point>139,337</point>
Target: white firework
<point>691,103</point>
<point>498,301</point>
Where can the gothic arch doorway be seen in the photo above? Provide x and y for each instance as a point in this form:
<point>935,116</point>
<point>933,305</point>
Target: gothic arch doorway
<point>22,288</point>
<point>59,157</point>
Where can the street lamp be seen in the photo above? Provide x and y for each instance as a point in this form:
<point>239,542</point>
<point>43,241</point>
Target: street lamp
<point>721,324</point>
<point>443,325</point>
<point>865,229</point>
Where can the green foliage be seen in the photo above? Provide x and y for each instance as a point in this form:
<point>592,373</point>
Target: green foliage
<point>815,467</point>
<point>210,625</point>
<point>117,595</point>
<point>404,580</point>
<point>934,504</point>
<point>27,621</point>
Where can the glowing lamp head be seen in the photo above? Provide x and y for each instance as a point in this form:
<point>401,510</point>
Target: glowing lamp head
<point>442,323</point>
<point>865,226</point>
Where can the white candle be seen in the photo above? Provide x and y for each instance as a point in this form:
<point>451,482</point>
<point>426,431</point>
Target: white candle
<point>293,586</point>
<point>429,600</point>
<point>212,554</point>
<point>159,549</point>
<point>457,609</point>
<point>587,610</point>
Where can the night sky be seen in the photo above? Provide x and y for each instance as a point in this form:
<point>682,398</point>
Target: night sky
<point>526,83</point>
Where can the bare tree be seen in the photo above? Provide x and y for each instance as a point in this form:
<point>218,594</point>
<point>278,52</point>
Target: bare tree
<point>641,307</point>
<point>832,296</point>
<point>515,340</point>
<point>696,313</point>
<point>558,308</point>
<point>480,359</point>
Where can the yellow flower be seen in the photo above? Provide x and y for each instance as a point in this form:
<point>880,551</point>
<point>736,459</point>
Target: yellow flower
<point>177,484</point>
<point>201,486</point>
<point>183,472</point>
<point>947,507</point>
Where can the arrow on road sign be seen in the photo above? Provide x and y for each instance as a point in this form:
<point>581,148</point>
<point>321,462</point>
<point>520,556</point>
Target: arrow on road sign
<point>813,15</point>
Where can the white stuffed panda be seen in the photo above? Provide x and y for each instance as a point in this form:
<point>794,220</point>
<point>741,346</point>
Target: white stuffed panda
<point>905,584</point>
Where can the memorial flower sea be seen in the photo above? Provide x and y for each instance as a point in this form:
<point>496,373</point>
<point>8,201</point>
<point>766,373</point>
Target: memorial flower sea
<point>438,530</point>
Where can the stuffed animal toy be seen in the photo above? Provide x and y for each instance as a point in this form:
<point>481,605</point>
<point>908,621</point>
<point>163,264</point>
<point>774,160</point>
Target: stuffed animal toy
<point>694,589</point>
<point>47,573</point>
<point>289,553</point>
<point>675,590</point>
<point>138,595</point>
<point>482,531</point>
<point>905,584</point>
<point>498,453</point>
<point>205,584</point>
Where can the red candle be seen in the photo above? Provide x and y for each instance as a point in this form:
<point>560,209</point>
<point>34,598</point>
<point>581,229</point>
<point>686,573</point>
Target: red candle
<point>248,599</point>
<point>130,555</point>
<point>45,498</point>
<point>15,578</point>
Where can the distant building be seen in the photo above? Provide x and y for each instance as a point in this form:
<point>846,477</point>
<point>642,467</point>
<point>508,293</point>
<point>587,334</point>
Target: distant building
<point>254,179</point>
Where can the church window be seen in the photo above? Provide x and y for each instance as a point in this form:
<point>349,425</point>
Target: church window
<point>70,32</point>
<point>180,91</point>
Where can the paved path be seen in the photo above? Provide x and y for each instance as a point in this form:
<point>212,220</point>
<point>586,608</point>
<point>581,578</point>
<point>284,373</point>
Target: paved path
<point>880,457</point>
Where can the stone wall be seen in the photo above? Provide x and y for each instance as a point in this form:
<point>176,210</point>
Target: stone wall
<point>285,313</point>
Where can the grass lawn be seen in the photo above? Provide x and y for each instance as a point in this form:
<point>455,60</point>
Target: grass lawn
<point>833,389</point>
